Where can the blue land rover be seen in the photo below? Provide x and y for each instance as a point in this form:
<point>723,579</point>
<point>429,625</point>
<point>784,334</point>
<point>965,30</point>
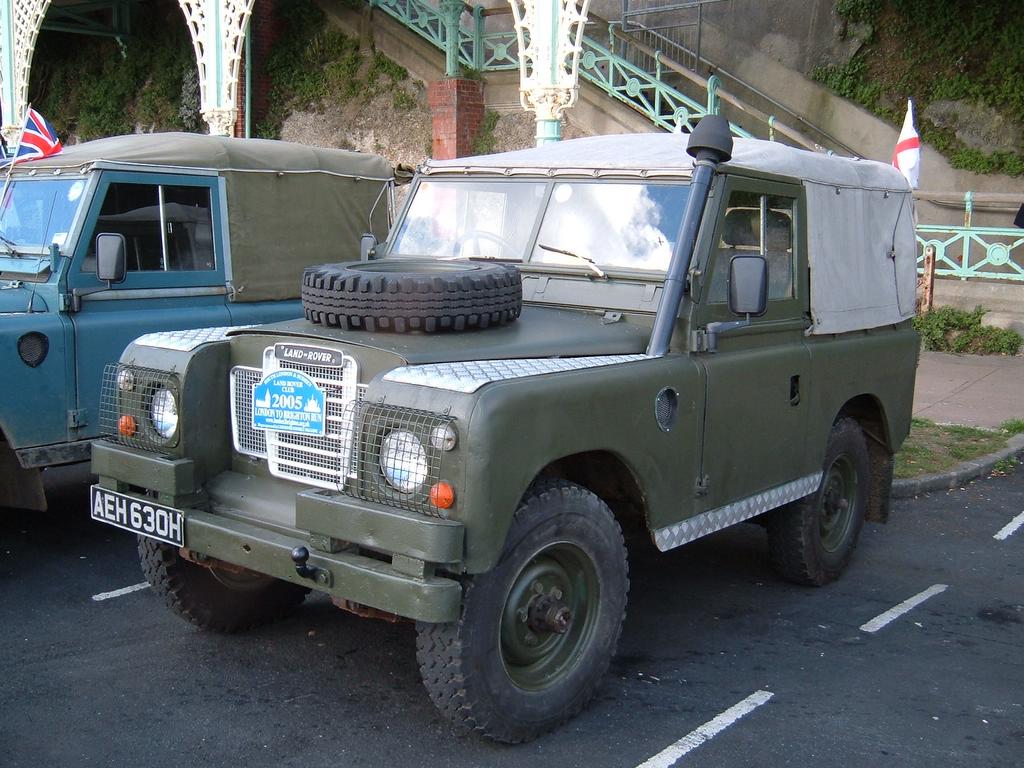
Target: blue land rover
<point>206,232</point>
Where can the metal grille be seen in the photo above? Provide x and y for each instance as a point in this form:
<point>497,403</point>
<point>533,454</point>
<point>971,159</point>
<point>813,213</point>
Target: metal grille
<point>252,442</point>
<point>348,456</point>
<point>404,437</point>
<point>32,348</point>
<point>319,460</point>
<point>665,408</point>
<point>128,412</point>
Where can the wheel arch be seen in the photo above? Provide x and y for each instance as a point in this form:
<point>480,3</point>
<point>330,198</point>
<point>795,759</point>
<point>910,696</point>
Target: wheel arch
<point>606,475</point>
<point>19,487</point>
<point>869,412</point>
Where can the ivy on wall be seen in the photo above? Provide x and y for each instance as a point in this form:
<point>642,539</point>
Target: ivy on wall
<point>931,51</point>
<point>314,63</point>
<point>91,87</point>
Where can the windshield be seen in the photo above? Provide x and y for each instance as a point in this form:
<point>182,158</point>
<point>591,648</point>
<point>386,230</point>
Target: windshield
<point>612,224</point>
<point>38,212</point>
<point>584,224</point>
<point>490,219</point>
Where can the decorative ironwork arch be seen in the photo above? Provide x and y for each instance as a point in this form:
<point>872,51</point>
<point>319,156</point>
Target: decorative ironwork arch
<point>218,29</point>
<point>549,33</point>
<point>20,21</point>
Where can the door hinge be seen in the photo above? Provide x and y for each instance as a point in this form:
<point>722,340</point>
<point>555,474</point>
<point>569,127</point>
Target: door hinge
<point>77,418</point>
<point>699,340</point>
<point>702,485</point>
<point>63,302</point>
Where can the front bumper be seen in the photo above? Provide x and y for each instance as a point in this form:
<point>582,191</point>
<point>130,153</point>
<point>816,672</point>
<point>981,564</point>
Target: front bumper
<point>365,553</point>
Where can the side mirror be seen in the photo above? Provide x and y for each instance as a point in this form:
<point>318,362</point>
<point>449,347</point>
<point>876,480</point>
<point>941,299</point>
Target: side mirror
<point>366,245</point>
<point>748,285</point>
<point>110,251</point>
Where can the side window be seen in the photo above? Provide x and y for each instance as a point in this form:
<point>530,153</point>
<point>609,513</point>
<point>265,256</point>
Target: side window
<point>754,224</point>
<point>166,228</point>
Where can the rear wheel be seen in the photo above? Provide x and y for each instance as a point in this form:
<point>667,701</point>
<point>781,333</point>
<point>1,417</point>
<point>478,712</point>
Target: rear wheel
<point>538,631</point>
<point>812,540</point>
<point>218,600</point>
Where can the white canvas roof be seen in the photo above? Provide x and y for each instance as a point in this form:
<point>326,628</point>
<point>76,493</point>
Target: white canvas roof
<point>860,233</point>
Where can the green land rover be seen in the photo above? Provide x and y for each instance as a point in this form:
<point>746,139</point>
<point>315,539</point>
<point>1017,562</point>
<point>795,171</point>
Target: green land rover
<point>682,335</point>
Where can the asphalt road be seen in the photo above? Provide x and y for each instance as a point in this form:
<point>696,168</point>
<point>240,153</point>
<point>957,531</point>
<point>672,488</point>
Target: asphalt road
<point>121,681</point>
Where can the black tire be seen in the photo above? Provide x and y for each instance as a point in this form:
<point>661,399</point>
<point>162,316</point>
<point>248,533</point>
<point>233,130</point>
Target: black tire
<point>812,540</point>
<point>218,601</point>
<point>483,671</point>
<point>403,295</point>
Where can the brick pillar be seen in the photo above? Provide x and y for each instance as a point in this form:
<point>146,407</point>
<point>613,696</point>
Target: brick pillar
<point>457,108</point>
<point>265,26</point>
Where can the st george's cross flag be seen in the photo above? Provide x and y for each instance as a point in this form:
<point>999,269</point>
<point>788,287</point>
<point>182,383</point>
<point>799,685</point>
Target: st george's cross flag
<point>38,139</point>
<point>907,155</point>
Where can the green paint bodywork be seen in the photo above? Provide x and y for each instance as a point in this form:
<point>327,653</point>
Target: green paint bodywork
<point>751,416</point>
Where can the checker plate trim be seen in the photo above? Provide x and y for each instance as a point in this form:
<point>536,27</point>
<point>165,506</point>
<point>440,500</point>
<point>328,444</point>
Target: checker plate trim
<point>467,377</point>
<point>188,339</point>
<point>713,520</point>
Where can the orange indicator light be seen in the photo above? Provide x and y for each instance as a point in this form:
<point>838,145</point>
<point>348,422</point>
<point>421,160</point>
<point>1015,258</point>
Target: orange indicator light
<point>126,425</point>
<point>442,495</point>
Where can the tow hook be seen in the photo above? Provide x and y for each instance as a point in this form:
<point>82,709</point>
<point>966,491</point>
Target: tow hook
<point>300,556</point>
<point>549,614</point>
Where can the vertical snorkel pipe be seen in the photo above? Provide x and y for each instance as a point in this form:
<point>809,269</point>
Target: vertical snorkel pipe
<point>709,144</point>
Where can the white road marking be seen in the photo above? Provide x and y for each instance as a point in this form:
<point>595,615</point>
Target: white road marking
<point>668,756</point>
<point>898,610</point>
<point>1007,530</point>
<point>120,592</point>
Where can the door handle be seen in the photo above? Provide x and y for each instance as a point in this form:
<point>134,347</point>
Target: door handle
<point>794,390</point>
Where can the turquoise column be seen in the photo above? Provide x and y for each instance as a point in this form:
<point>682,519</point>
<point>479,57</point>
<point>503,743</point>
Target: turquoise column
<point>451,11</point>
<point>548,131</point>
<point>8,97</point>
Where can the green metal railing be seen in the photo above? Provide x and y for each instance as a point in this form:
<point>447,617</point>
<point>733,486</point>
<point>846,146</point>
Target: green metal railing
<point>491,51</point>
<point>960,251</point>
<point>987,252</point>
<point>967,251</point>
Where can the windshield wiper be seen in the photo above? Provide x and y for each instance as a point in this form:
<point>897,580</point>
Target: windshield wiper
<point>479,257</point>
<point>10,246</point>
<point>589,261</point>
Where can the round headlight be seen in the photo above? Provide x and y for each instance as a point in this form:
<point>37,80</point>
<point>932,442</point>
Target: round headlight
<point>125,380</point>
<point>443,437</point>
<point>163,412</point>
<point>403,461</point>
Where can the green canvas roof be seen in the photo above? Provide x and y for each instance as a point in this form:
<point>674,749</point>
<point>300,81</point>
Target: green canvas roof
<point>288,205</point>
<point>215,153</point>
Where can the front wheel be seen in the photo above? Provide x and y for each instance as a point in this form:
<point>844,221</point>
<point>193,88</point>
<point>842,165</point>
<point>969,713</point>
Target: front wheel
<point>538,631</point>
<point>812,540</point>
<point>218,600</point>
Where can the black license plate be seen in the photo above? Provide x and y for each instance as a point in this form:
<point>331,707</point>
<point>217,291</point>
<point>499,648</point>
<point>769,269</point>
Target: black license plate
<point>141,516</point>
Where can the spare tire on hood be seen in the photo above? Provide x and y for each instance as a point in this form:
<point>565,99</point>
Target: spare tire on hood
<point>412,295</point>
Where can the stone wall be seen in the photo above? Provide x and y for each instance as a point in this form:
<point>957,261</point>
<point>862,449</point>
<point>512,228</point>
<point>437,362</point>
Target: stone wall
<point>798,34</point>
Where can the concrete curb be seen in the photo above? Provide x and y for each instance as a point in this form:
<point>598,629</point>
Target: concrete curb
<point>969,470</point>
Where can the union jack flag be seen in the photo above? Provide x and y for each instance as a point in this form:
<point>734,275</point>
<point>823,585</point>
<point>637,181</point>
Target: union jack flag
<point>38,139</point>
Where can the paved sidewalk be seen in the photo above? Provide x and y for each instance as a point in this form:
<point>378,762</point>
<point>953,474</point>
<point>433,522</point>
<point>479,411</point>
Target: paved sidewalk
<point>976,390</point>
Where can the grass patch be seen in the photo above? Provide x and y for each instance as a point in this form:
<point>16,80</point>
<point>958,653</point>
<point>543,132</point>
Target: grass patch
<point>932,448</point>
<point>1012,426</point>
<point>948,329</point>
<point>1005,466</point>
